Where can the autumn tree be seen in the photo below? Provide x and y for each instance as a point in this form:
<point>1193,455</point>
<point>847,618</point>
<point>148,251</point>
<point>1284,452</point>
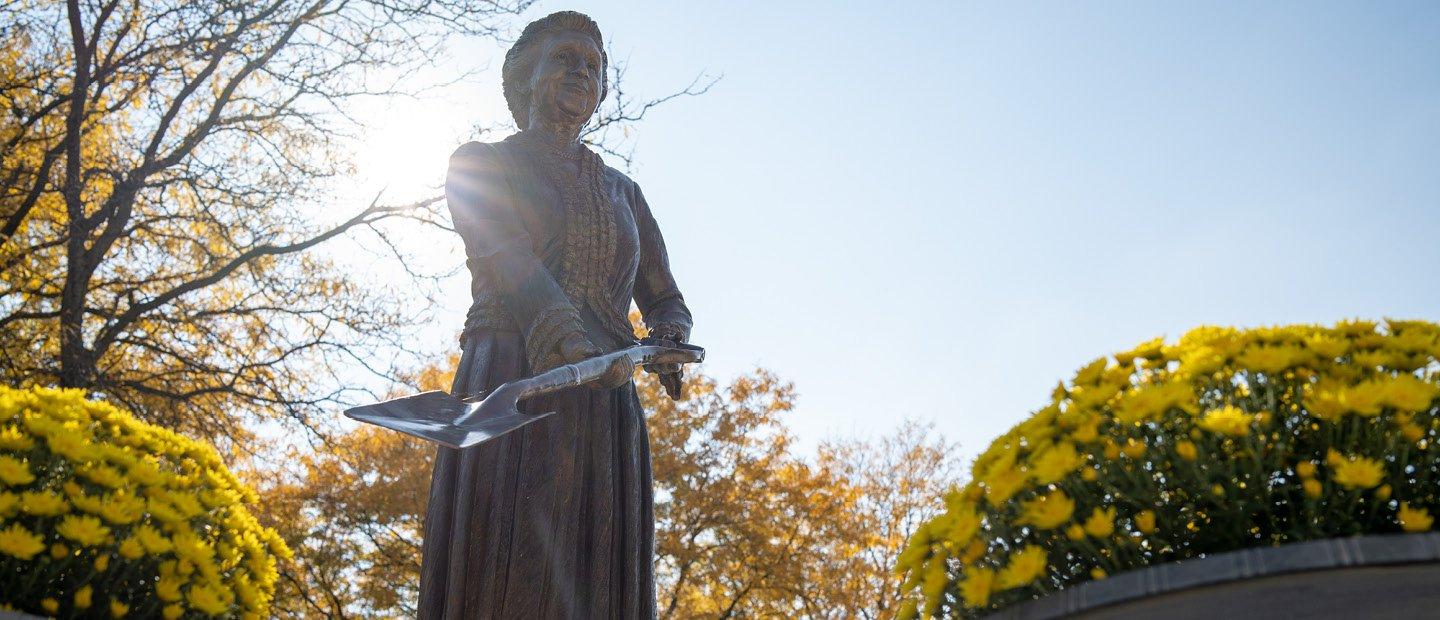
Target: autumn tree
<point>899,476</point>
<point>353,514</point>
<point>165,175</point>
<point>746,527</point>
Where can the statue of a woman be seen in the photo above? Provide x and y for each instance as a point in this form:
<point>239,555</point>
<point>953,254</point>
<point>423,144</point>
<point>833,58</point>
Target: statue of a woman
<point>553,520</point>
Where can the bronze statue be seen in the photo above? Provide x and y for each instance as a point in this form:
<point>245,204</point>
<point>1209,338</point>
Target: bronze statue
<point>554,519</point>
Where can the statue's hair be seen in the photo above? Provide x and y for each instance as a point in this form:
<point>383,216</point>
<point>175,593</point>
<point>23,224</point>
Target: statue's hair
<point>520,61</point>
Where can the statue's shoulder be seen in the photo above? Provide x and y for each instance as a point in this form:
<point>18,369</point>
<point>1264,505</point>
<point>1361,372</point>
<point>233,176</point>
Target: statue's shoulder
<point>620,179</point>
<point>481,159</point>
<point>478,150</point>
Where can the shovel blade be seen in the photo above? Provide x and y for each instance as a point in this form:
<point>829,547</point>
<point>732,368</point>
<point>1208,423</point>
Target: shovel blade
<point>431,416</point>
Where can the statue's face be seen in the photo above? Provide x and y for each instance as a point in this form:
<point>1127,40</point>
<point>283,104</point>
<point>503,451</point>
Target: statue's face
<point>565,86</point>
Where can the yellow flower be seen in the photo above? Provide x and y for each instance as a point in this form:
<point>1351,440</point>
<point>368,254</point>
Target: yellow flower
<point>131,549</point>
<point>154,542</point>
<point>167,587</point>
<point>973,551</point>
<point>1359,473</point>
<point>1327,347</point>
<point>1003,485</point>
<point>1325,405</point>
<point>163,511</point>
<point>1086,431</point>
<point>1312,488</point>
<point>933,585</point>
<point>1140,405</point>
<point>70,445</point>
<point>172,612</point>
<point>1024,567</point>
<point>1091,373</point>
<point>1366,398</point>
<point>1371,359</point>
<point>18,542</point>
<point>118,609</point>
<point>1409,393</point>
<point>976,587</point>
<point>1356,328</point>
<point>1271,359</point>
<point>1054,463</point>
<point>43,504</point>
<point>188,546</point>
<point>86,530</point>
<point>1411,432</point>
<point>15,440</point>
<point>103,475</point>
<point>102,563</point>
<point>122,510</point>
<point>1075,532</point>
<point>14,472</point>
<point>59,551</point>
<point>1089,474</point>
<point>964,523</point>
<point>1150,349</point>
<point>208,598</point>
<point>50,605</point>
<point>1305,469</point>
<point>146,472</point>
<point>9,503</point>
<point>1145,521</point>
<point>1133,449</point>
<point>1101,522</point>
<point>1186,450</point>
<point>84,597</point>
<point>1227,420</point>
<point>1414,519</point>
<point>1047,511</point>
<point>1097,573</point>
<point>1201,361</point>
<point>1383,493</point>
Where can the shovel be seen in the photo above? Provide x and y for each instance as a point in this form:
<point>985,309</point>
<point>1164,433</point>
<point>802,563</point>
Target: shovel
<point>455,423</point>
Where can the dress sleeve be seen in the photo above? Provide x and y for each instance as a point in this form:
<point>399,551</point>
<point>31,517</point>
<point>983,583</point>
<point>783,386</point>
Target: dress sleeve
<point>484,212</point>
<point>659,299</point>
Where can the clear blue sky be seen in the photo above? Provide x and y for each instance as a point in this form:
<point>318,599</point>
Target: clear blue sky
<point>936,210</point>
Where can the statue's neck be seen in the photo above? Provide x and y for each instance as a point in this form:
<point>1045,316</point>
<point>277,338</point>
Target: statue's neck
<point>562,137</point>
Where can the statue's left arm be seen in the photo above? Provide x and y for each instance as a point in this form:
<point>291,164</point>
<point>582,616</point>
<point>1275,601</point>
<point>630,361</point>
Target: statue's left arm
<point>656,294</point>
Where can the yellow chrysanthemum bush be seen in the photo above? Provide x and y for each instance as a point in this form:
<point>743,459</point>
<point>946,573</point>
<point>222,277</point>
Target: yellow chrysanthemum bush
<point>1226,439</point>
<point>102,515</point>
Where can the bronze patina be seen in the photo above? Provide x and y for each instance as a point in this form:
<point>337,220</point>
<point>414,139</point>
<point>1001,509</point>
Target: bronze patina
<point>556,518</point>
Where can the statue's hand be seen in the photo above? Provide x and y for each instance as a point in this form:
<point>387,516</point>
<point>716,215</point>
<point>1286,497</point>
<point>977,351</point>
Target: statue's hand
<point>671,375</point>
<point>576,347</point>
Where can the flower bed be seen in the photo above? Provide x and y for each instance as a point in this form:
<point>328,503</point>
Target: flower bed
<point>104,515</point>
<point>1225,440</point>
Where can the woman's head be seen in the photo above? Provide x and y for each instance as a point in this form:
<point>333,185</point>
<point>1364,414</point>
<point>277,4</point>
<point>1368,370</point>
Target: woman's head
<point>557,68</point>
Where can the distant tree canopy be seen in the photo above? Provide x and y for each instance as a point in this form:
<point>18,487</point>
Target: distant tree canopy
<point>162,164</point>
<point>745,526</point>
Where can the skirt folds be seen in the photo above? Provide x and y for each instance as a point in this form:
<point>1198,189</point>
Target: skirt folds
<point>554,520</point>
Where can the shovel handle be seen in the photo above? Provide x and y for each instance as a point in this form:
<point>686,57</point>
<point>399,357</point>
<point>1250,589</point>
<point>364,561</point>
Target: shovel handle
<point>586,370</point>
<point>503,400</point>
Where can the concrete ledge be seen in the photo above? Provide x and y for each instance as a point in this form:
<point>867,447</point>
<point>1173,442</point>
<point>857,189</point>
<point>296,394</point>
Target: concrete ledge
<point>1381,576</point>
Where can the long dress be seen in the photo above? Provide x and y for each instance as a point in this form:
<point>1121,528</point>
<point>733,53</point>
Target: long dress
<point>554,520</point>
